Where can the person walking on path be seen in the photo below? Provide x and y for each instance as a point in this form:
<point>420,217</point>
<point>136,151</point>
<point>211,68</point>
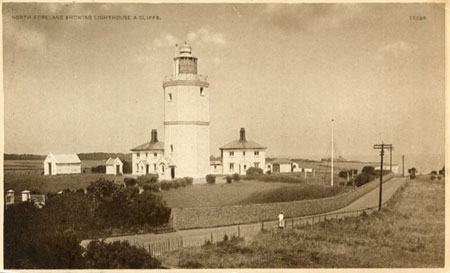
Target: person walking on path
<point>281,220</point>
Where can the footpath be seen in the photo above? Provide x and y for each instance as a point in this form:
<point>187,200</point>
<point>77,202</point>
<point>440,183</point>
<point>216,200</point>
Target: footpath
<point>157,244</point>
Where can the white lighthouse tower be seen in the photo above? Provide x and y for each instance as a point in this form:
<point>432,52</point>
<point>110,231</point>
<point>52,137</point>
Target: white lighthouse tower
<point>186,117</point>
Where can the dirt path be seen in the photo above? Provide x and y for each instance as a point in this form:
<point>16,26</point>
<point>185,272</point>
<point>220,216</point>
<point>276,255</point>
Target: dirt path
<point>368,200</point>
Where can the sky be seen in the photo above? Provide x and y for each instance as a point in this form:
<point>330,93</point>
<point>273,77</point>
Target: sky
<point>282,71</point>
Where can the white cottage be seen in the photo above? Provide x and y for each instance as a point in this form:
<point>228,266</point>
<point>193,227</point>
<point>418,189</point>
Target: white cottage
<point>114,166</point>
<point>239,155</point>
<point>62,164</point>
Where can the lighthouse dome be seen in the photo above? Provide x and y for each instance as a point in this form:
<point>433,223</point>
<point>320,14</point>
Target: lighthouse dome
<point>185,50</point>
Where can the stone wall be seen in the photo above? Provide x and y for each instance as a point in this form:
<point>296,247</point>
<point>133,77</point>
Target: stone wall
<point>202,217</point>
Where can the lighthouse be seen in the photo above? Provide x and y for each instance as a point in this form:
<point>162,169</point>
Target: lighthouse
<point>186,117</point>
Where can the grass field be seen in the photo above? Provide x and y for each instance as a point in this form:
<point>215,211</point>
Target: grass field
<point>409,232</point>
<point>54,183</point>
<point>38,164</point>
<point>243,192</point>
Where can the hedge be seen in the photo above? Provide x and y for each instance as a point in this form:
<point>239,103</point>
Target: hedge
<point>203,217</point>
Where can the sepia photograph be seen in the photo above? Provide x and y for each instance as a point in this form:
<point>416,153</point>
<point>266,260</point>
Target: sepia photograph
<point>232,136</point>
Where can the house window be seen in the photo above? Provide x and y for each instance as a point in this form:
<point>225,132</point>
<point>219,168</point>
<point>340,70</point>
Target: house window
<point>137,155</point>
<point>137,168</point>
<point>245,167</point>
<point>169,98</point>
<point>231,153</point>
<point>155,154</point>
<point>256,153</point>
<point>231,166</point>
<point>215,167</point>
<point>256,164</point>
<point>243,153</point>
<point>171,148</point>
<point>202,92</point>
<point>146,154</point>
<point>154,167</point>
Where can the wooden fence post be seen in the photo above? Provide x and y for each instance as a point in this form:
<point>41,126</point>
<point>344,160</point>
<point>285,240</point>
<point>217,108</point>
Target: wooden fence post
<point>262,225</point>
<point>239,231</point>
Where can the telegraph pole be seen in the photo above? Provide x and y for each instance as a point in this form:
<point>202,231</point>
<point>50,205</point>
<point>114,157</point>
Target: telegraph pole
<point>403,165</point>
<point>332,154</point>
<point>381,147</point>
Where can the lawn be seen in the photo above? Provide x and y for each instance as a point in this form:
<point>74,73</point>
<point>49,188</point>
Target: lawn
<point>408,232</point>
<point>244,192</point>
<point>54,183</point>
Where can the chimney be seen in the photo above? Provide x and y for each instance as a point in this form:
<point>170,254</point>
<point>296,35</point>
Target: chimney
<point>154,137</point>
<point>242,136</point>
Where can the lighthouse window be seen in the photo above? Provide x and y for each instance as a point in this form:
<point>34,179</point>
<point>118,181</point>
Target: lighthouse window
<point>202,92</point>
<point>171,148</point>
<point>170,97</point>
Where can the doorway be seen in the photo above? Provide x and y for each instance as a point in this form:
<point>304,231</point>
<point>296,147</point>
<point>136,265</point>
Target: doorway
<point>117,169</point>
<point>147,169</point>
<point>172,172</point>
<point>50,168</point>
<point>276,168</point>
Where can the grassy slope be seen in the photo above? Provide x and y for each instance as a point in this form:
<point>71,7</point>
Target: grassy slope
<point>53,183</point>
<point>243,192</point>
<point>408,233</point>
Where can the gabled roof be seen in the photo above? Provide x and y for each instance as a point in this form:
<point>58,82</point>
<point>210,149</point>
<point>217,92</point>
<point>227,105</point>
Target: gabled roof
<point>113,161</point>
<point>65,158</point>
<point>237,144</point>
<point>166,160</point>
<point>282,161</point>
<point>148,146</point>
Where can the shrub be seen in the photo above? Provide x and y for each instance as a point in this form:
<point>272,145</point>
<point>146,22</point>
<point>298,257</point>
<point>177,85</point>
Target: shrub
<point>126,166</point>
<point>189,180</point>
<point>350,182</point>
<point>210,179</point>
<point>130,182</point>
<point>363,178</point>
<point>118,254</point>
<point>165,185</point>
<point>369,170</point>
<point>99,169</point>
<point>148,178</point>
<point>229,179</point>
<point>154,187</point>
<point>236,177</point>
<point>433,177</point>
<point>253,171</point>
<point>269,172</point>
<point>434,172</point>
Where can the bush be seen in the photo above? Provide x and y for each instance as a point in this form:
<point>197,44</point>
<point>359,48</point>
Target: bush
<point>433,177</point>
<point>130,182</point>
<point>165,185</point>
<point>369,170</point>
<point>269,172</point>
<point>210,179</point>
<point>155,187</point>
<point>434,172</point>
<point>126,166</point>
<point>236,177</point>
<point>229,179</point>
<point>363,178</point>
<point>189,180</point>
<point>148,178</point>
<point>253,171</point>
<point>118,255</point>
